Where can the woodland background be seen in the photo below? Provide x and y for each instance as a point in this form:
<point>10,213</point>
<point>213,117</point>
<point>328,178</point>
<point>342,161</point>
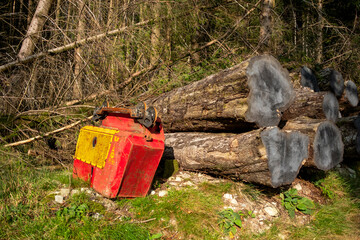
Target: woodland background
<point>159,45</point>
<point>60,58</point>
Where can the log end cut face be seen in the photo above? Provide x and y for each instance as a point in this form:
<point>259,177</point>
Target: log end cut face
<point>351,93</point>
<point>328,146</point>
<point>331,107</point>
<point>336,83</point>
<point>308,79</point>
<point>271,91</point>
<point>286,152</point>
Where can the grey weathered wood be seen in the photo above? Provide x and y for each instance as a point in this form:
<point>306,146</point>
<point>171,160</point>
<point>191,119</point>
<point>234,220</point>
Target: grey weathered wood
<point>331,80</point>
<point>271,91</point>
<point>351,93</point>
<point>331,107</point>
<point>308,79</point>
<point>326,147</point>
<point>269,157</point>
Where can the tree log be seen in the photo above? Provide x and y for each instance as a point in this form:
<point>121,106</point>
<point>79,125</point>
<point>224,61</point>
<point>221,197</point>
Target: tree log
<point>220,102</point>
<point>307,103</point>
<point>308,79</point>
<point>331,107</point>
<point>268,157</point>
<point>325,147</point>
<point>351,93</point>
<point>350,136</point>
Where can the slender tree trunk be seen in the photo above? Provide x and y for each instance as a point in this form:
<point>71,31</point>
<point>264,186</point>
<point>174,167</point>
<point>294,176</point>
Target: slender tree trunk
<point>34,31</point>
<point>155,34</point>
<point>57,12</point>
<point>77,87</point>
<point>319,45</point>
<point>29,16</point>
<point>266,22</point>
<point>168,36</point>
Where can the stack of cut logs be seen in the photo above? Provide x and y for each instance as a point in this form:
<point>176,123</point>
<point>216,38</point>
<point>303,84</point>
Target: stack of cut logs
<point>249,123</point>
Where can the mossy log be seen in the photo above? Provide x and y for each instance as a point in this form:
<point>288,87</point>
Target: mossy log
<point>265,156</point>
<point>325,147</point>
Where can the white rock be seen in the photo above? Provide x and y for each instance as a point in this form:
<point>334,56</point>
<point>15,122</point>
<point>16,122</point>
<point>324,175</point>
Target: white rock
<point>152,192</point>
<point>271,211</point>
<point>228,196</point>
<point>83,189</point>
<point>188,183</point>
<point>234,202</point>
<point>178,179</point>
<point>59,199</point>
<point>185,175</point>
<point>298,187</point>
<point>97,216</point>
<point>163,193</point>
<point>281,236</point>
<point>64,192</point>
<point>75,191</point>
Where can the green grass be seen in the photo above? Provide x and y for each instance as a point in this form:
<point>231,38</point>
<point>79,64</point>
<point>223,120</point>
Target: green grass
<point>27,210</point>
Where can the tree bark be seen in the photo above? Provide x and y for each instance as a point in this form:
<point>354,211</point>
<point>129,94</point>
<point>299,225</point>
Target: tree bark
<point>155,34</point>
<point>219,102</point>
<point>261,156</point>
<point>77,87</point>
<point>325,147</point>
<point>34,31</point>
<point>266,22</point>
<point>307,103</point>
<point>319,47</point>
<point>350,137</point>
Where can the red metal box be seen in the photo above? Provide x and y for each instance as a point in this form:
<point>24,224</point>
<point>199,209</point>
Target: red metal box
<point>120,157</point>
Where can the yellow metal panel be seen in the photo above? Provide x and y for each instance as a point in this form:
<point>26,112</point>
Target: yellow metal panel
<point>93,145</point>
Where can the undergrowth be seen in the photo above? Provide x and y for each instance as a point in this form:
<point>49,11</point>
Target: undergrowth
<point>27,209</point>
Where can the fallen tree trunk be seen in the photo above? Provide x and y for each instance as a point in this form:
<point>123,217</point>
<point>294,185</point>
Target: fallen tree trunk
<point>268,157</point>
<point>325,147</point>
<point>350,137</point>
<point>223,101</point>
<point>307,103</point>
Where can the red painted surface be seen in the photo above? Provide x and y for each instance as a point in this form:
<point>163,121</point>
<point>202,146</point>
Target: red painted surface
<point>133,158</point>
<point>82,170</point>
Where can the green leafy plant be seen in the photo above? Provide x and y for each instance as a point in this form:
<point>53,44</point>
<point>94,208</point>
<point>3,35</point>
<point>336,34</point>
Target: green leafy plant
<point>229,221</point>
<point>293,202</point>
<point>73,212</point>
<point>325,189</point>
<point>155,236</point>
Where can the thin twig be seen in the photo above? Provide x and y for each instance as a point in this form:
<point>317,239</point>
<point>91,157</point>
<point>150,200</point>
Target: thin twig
<point>47,134</point>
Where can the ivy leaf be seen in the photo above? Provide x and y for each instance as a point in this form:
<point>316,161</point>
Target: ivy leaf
<point>238,223</point>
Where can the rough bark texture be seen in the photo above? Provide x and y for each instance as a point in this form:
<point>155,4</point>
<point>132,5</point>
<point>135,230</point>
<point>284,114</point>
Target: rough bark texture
<point>307,103</point>
<point>266,22</point>
<point>240,156</point>
<point>325,147</point>
<point>77,87</point>
<point>34,31</point>
<point>350,137</point>
<point>219,102</point>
